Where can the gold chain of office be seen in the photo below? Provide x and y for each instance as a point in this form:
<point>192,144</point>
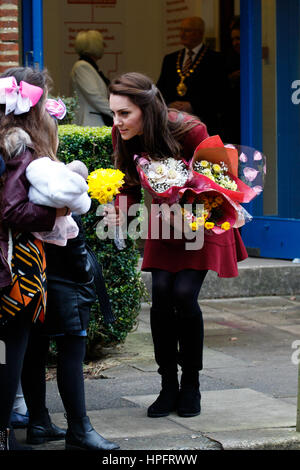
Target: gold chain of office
<point>181,87</point>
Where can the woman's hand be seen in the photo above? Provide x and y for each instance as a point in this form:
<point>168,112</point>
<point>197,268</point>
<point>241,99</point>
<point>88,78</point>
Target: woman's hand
<point>113,216</point>
<point>63,211</point>
<point>173,218</point>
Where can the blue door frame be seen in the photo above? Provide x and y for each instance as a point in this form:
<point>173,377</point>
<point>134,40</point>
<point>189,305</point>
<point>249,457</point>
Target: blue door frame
<point>273,237</point>
<point>32,19</point>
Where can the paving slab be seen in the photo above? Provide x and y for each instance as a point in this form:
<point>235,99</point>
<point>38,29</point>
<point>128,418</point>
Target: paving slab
<point>258,439</point>
<point>211,359</point>
<point>293,329</point>
<point>132,425</point>
<point>231,322</point>
<point>129,422</point>
<point>215,360</point>
<point>235,409</point>
<point>260,377</point>
<point>180,442</point>
<point>253,303</point>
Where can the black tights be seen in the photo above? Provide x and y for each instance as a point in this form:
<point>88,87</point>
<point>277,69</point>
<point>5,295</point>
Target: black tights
<point>14,338</point>
<point>70,382</point>
<point>176,319</point>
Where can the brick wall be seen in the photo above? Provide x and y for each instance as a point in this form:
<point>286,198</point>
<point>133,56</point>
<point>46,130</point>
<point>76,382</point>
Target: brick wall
<point>9,34</point>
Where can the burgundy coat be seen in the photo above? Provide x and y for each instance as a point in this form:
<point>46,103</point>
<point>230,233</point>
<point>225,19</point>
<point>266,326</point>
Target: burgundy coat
<point>219,253</point>
<point>17,212</point>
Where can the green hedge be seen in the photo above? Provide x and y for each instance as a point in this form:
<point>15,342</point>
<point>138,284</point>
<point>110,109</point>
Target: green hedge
<point>125,287</point>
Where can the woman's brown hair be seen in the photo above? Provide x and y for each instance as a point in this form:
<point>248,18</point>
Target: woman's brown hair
<point>161,136</point>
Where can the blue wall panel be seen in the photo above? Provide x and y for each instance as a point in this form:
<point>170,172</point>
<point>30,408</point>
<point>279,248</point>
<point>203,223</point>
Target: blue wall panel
<point>274,237</point>
<point>251,83</point>
<point>288,112</point>
<point>32,23</point>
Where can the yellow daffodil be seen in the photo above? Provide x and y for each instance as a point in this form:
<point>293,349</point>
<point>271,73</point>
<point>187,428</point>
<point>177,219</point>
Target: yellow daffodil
<point>209,225</point>
<point>193,226</point>
<point>104,184</point>
<point>225,226</point>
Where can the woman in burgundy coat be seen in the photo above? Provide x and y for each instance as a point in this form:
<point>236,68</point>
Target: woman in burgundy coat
<point>143,123</point>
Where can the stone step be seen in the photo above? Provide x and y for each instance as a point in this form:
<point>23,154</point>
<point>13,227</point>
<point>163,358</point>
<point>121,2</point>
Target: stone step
<point>257,277</point>
<point>230,419</point>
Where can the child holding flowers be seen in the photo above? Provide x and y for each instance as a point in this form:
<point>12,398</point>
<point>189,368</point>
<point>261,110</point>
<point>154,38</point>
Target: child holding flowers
<point>24,282</point>
<point>23,93</point>
<point>144,124</point>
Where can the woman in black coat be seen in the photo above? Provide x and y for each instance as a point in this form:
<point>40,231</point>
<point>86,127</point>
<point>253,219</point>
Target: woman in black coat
<point>72,273</point>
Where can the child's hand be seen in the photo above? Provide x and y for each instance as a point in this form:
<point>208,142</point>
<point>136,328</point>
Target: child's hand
<point>113,216</point>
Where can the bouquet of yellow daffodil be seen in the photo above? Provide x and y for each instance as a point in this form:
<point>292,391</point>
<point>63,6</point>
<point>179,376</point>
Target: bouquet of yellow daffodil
<point>105,184</point>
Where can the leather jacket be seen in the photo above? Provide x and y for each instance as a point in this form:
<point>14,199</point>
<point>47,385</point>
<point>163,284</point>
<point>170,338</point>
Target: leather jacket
<point>17,212</point>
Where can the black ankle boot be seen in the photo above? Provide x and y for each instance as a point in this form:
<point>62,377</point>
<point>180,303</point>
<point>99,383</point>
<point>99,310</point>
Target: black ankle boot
<point>189,401</point>
<point>82,436</point>
<point>167,399</point>
<point>42,430</point>
<point>4,439</point>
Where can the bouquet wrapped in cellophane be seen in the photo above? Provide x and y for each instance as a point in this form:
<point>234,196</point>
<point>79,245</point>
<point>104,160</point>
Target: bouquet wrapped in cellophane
<point>104,185</point>
<point>214,183</point>
<point>162,179</point>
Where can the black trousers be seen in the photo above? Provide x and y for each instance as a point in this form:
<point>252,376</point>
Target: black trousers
<point>176,320</point>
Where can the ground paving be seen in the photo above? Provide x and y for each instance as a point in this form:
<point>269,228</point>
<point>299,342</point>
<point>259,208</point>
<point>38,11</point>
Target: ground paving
<point>248,384</point>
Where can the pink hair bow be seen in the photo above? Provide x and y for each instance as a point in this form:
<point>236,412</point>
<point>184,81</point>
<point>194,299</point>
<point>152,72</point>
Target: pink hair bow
<point>18,99</point>
<point>56,108</point>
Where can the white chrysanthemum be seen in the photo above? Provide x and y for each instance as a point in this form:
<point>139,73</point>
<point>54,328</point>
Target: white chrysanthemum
<point>167,173</point>
<point>157,171</point>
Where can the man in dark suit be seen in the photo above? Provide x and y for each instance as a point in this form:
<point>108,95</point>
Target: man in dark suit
<point>194,79</point>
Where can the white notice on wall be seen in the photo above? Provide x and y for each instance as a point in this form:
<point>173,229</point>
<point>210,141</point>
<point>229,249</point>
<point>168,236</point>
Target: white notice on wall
<point>105,16</point>
<point>174,12</point>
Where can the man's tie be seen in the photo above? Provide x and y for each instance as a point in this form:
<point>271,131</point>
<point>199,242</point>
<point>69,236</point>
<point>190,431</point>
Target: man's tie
<point>189,62</point>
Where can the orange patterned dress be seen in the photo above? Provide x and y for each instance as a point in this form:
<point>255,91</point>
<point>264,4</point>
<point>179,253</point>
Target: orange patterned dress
<point>28,266</point>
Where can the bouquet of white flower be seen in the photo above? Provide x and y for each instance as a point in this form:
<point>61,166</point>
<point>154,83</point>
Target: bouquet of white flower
<point>165,174</point>
<point>163,179</point>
